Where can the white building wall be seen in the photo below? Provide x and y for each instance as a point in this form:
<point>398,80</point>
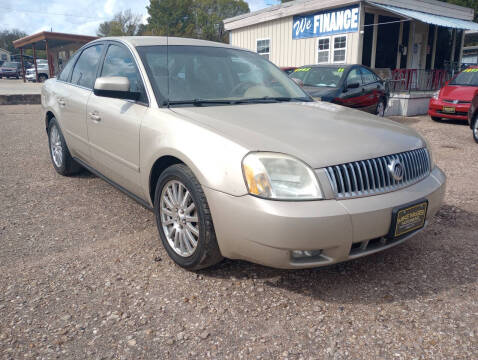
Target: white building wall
<point>284,51</point>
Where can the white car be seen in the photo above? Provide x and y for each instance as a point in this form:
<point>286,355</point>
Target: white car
<point>43,73</point>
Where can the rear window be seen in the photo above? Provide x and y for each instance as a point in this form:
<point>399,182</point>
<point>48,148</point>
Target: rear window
<point>468,77</point>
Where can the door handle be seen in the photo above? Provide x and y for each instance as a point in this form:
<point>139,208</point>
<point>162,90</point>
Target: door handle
<point>94,117</point>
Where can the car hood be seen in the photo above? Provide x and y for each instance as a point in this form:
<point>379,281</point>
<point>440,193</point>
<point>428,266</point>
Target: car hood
<point>321,134</point>
<point>320,92</point>
<point>456,92</point>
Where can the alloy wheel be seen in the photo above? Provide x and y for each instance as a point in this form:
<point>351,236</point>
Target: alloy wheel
<point>56,147</point>
<point>179,218</point>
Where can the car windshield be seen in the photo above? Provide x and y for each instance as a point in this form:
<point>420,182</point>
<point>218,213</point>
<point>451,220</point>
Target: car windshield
<point>319,76</point>
<point>10,64</point>
<point>468,77</point>
<point>199,75</point>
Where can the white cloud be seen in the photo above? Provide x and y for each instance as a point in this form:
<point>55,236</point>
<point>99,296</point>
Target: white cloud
<point>109,7</point>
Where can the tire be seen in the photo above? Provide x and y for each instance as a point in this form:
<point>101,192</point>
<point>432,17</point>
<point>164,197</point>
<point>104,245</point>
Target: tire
<point>190,244</point>
<point>436,118</point>
<point>42,78</point>
<point>59,153</point>
<point>381,106</point>
<point>475,129</point>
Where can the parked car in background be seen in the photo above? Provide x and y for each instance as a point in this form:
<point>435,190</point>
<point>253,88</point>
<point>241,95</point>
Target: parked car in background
<point>354,86</point>
<point>234,158</point>
<point>473,117</point>
<point>288,69</point>
<point>454,99</point>
<point>43,72</point>
<point>11,69</point>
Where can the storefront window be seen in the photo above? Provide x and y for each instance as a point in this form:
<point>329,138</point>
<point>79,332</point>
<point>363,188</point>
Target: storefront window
<point>340,45</point>
<point>263,48</point>
<point>323,50</point>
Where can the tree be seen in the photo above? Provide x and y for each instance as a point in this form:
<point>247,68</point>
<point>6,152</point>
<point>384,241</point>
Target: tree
<point>124,23</point>
<point>8,36</point>
<point>202,19</point>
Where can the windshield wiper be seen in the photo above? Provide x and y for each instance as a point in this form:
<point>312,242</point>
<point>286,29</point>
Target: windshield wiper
<point>199,102</point>
<point>270,99</point>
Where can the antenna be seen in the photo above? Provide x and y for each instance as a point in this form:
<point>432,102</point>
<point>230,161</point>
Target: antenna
<point>167,59</point>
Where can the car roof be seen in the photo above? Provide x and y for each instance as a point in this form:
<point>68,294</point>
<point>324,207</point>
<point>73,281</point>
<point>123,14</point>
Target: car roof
<point>163,40</point>
<point>330,66</point>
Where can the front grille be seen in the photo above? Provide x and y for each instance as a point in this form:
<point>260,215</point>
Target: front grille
<point>372,177</point>
<point>461,113</point>
<point>454,101</point>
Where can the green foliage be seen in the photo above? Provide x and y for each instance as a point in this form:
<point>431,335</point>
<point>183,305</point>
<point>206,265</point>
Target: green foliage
<point>201,19</point>
<point>124,23</point>
<point>8,36</point>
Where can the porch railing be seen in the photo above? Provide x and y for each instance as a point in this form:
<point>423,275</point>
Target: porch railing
<point>406,80</point>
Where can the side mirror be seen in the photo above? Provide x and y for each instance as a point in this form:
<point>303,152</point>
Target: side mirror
<point>114,87</point>
<point>298,81</point>
<point>354,85</point>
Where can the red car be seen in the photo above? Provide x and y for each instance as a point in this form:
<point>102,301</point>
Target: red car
<point>473,117</point>
<point>454,99</point>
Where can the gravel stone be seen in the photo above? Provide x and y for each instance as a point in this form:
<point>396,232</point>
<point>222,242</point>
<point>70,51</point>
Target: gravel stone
<point>81,277</point>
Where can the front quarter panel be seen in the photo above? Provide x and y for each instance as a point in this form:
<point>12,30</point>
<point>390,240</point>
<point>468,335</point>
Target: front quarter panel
<point>213,158</point>
<point>48,100</point>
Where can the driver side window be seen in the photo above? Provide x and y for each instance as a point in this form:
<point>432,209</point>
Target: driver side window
<point>354,76</point>
<point>120,62</point>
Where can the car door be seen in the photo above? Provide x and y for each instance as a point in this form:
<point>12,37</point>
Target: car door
<point>353,97</point>
<point>114,124</point>
<point>72,93</point>
<point>373,90</point>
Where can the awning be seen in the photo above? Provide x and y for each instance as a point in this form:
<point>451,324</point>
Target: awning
<point>444,21</point>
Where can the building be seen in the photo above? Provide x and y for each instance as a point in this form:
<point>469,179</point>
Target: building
<point>4,55</point>
<point>58,47</point>
<point>410,42</point>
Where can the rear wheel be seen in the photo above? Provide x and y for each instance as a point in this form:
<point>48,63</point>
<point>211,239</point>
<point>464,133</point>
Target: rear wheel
<point>59,153</point>
<point>475,129</point>
<point>184,220</point>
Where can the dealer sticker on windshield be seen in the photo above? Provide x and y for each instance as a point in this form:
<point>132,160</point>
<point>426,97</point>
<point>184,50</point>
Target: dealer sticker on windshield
<point>410,219</point>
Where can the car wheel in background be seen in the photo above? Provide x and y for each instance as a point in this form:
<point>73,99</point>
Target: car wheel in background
<point>475,129</point>
<point>381,108</point>
<point>184,220</point>
<point>59,153</point>
<point>42,78</point>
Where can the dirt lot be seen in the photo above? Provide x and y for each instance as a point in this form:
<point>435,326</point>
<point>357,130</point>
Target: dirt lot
<point>84,275</point>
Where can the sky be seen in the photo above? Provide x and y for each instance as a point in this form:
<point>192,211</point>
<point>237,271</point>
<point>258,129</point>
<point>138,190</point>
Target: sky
<point>77,17</point>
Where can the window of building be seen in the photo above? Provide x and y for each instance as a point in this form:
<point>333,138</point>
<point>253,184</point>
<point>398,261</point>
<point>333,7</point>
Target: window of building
<point>340,47</point>
<point>323,50</point>
<point>263,47</point>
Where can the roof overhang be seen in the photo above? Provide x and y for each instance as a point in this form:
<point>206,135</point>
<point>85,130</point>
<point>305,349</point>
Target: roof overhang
<point>428,7</point>
<point>54,39</point>
<point>428,18</point>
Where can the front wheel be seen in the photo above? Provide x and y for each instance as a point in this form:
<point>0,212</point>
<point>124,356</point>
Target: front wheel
<point>42,78</point>
<point>184,220</point>
<point>381,108</point>
<point>475,129</point>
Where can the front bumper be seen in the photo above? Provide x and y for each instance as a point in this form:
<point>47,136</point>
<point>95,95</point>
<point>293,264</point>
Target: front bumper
<point>435,109</point>
<point>266,231</point>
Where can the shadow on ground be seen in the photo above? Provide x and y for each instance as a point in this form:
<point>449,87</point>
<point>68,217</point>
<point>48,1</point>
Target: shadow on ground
<point>407,271</point>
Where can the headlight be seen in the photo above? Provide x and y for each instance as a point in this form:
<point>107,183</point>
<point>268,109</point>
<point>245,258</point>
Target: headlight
<point>436,95</point>
<point>281,177</point>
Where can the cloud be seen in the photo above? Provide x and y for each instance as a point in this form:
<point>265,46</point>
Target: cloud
<point>109,7</point>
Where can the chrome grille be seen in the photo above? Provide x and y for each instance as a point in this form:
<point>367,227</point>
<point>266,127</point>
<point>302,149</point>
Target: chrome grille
<point>371,177</point>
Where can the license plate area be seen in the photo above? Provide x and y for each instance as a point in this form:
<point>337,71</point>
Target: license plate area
<point>449,109</point>
<point>408,219</point>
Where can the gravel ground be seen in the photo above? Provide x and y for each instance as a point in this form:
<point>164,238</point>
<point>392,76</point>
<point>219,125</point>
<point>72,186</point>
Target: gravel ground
<point>84,275</point>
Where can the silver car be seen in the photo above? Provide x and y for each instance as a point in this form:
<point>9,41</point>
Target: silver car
<point>234,158</point>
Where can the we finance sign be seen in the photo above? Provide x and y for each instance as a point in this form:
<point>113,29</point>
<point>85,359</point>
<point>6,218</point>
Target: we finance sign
<point>326,23</point>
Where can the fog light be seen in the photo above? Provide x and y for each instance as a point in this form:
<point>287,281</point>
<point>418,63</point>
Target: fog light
<point>304,254</point>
